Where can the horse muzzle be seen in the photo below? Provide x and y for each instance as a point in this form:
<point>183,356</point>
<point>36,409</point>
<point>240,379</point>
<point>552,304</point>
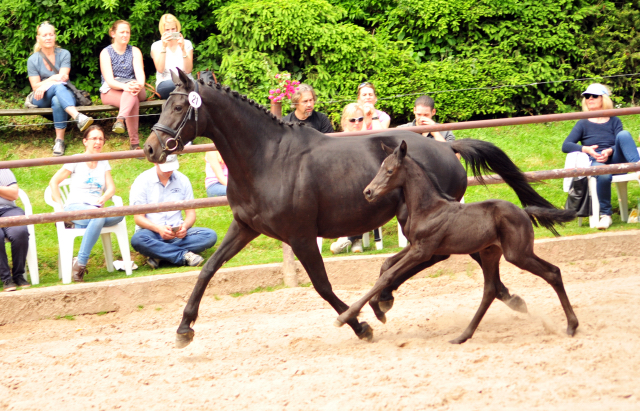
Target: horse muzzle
<point>370,195</point>
<point>153,151</point>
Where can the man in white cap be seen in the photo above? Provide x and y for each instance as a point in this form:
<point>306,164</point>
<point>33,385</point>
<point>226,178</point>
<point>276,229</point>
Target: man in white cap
<point>165,236</point>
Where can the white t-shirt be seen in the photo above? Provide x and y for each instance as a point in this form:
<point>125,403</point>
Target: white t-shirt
<point>87,185</point>
<point>173,59</point>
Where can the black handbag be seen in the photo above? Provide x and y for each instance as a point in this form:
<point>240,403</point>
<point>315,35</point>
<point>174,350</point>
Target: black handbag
<point>579,198</point>
<point>82,97</point>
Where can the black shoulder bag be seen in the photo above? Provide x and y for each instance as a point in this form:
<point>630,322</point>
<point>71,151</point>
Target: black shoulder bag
<point>579,198</point>
<point>82,97</point>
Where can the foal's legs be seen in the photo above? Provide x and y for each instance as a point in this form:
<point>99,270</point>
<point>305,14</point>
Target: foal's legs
<point>306,249</point>
<point>512,301</point>
<point>236,238</point>
<point>490,257</point>
<point>410,259</point>
<point>551,274</point>
<point>382,302</point>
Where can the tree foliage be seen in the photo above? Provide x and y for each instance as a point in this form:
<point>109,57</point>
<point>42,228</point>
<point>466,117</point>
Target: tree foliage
<point>406,47</point>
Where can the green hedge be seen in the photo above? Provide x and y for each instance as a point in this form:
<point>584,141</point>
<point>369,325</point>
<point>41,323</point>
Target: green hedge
<point>404,46</point>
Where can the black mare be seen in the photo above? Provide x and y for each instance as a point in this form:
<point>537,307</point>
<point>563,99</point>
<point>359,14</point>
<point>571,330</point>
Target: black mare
<point>437,225</point>
<point>294,184</point>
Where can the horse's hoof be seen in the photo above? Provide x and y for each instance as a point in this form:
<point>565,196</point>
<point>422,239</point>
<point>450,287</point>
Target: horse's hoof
<point>459,340</point>
<point>366,333</point>
<point>386,305</point>
<point>517,304</point>
<point>338,323</point>
<point>382,318</point>
<point>571,330</point>
<point>182,340</point>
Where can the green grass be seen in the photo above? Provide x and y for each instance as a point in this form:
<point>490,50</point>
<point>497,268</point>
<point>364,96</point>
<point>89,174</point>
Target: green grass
<point>532,147</point>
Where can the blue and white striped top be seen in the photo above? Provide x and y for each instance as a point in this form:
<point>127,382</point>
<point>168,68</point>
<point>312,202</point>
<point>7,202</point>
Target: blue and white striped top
<point>122,65</point>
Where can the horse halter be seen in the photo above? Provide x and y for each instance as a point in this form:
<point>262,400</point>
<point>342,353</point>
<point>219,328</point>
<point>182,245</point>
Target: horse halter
<point>175,142</point>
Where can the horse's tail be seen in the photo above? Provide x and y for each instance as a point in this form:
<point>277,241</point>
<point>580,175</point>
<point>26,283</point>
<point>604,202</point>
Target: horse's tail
<point>485,157</point>
<point>548,217</point>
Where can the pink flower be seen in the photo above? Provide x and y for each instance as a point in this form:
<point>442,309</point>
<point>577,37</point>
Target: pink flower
<point>277,91</point>
<point>277,75</point>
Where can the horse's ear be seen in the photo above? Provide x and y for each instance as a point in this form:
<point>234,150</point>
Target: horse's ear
<point>174,77</point>
<point>387,149</point>
<point>402,150</point>
<point>184,79</point>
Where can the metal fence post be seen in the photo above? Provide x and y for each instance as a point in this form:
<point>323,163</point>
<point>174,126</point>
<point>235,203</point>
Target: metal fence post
<point>288,260</point>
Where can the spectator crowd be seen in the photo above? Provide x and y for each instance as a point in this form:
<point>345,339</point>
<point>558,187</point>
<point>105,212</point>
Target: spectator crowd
<point>172,237</point>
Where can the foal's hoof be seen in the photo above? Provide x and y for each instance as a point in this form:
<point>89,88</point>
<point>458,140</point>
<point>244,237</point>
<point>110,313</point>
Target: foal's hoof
<point>381,317</point>
<point>459,340</point>
<point>386,305</point>
<point>571,329</point>
<point>366,333</point>
<point>182,340</point>
<point>517,304</point>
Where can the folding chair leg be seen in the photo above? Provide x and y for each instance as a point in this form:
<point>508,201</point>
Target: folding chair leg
<point>621,187</point>
<point>123,243</point>
<point>108,250</point>
<point>32,258</point>
<point>594,219</point>
<point>402,240</point>
<point>319,240</point>
<point>65,263</point>
<point>365,240</point>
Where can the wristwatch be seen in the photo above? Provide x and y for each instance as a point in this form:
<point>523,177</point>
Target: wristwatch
<point>375,118</point>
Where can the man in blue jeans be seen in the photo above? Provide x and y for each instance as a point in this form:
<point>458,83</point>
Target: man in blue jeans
<point>166,236</point>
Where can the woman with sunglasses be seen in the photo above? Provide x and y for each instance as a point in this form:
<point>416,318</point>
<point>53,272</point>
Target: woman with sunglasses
<point>353,120</point>
<point>373,119</point>
<point>91,187</point>
<point>48,69</point>
<point>604,140</point>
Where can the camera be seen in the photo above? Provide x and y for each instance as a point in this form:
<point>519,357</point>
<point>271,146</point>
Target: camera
<point>174,36</point>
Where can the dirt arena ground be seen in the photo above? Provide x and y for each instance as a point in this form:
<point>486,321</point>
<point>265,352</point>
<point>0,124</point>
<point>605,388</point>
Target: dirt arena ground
<point>280,351</point>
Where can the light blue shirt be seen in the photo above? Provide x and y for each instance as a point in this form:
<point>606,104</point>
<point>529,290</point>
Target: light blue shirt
<point>147,189</point>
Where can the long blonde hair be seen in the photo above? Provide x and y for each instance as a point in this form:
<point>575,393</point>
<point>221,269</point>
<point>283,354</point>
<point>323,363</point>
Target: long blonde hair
<point>36,47</point>
<point>607,104</point>
<point>168,18</point>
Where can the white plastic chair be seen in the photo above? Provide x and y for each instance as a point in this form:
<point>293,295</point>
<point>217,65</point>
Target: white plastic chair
<point>619,180</point>
<point>66,237</point>
<point>32,254</point>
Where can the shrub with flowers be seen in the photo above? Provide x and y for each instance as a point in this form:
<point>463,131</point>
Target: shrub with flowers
<point>284,89</point>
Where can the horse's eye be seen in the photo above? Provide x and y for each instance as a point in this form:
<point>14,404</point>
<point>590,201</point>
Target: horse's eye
<point>390,171</point>
<point>177,108</point>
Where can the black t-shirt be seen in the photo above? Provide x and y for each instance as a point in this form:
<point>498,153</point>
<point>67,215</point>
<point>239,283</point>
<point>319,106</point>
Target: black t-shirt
<point>316,120</point>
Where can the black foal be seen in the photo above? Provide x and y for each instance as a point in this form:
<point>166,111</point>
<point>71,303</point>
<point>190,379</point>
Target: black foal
<point>439,226</point>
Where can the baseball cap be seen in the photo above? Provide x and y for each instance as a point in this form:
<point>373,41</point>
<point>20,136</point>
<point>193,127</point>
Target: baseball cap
<point>171,164</point>
<point>596,89</point>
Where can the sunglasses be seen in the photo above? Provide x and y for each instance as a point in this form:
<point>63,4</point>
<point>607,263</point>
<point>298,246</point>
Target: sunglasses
<point>356,119</point>
<point>591,96</point>
<point>365,84</point>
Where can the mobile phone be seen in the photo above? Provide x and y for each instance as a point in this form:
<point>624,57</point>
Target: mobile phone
<point>174,36</point>
<point>175,228</point>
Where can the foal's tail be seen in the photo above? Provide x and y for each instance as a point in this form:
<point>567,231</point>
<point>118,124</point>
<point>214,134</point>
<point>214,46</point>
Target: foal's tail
<point>548,217</point>
<point>485,157</point>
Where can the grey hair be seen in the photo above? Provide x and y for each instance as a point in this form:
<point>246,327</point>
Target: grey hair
<point>302,88</point>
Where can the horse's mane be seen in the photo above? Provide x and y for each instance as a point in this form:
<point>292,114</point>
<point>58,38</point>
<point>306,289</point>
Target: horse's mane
<point>243,98</point>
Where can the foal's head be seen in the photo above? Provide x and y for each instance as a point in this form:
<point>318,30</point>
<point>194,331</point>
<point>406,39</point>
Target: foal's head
<point>391,174</point>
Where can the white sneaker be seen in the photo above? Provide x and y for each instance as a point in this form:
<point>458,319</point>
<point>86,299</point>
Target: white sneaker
<point>604,223</point>
<point>340,245</point>
<point>357,246</point>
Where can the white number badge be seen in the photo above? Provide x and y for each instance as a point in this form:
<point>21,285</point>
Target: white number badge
<point>194,99</point>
